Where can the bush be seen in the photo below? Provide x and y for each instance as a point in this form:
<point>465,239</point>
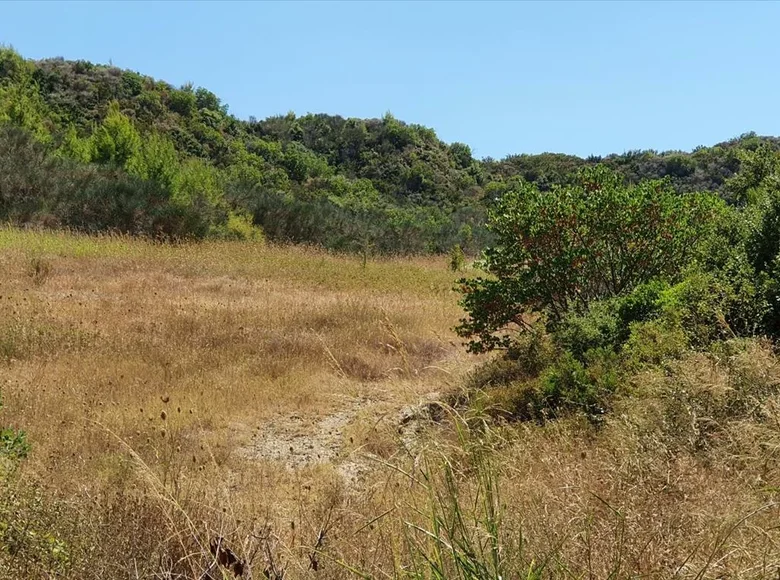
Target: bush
<point>559,252</point>
<point>239,226</point>
<point>652,343</point>
<point>598,328</point>
<point>457,258</point>
<point>698,305</point>
<point>571,386</point>
<point>530,355</point>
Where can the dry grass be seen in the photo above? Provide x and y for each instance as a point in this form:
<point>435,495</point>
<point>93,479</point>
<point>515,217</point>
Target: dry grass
<point>163,388</point>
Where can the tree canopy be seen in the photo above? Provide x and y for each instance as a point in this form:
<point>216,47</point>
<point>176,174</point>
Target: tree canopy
<point>173,162</point>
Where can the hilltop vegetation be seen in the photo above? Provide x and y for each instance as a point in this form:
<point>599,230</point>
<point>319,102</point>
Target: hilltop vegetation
<point>96,148</point>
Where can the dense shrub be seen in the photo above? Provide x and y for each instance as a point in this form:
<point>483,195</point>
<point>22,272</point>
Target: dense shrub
<point>419,194</point>
<point>560,251</point>
<point>550,265</point>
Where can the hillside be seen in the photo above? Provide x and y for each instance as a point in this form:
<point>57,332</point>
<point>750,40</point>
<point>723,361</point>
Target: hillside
<point>94,147</point>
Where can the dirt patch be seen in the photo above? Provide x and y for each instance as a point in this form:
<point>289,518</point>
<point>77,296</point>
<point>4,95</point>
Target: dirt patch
<point>298,442</point>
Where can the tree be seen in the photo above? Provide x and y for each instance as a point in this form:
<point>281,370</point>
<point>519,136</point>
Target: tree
<point>156,160</point>
<point>21,102</point>
<point>183,101</point>
<point>758,171</point>
<point>562,250</point>
<point>73,147</point>
<point>116,140</point>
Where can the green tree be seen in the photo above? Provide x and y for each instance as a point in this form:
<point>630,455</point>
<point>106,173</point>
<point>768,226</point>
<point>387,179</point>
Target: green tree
<point>73,147</point>
<point>183,101</point>
<point>21,102</point>
<point>156,160</point>
<point>116,140</point>
<point>559,251</point>
<point>758,171</point>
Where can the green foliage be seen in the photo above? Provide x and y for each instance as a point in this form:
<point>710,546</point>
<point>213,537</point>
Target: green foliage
<point>184,102</point>
<point>757,167</point>
<point>653,342</point>
<point>721,288</point>
<point>74,147</point>
<point>598,328</point>
<point>238,226</point>
<point>116,141</point>
<point>13,443</point>
<point>698,305</point>
<point>457,258</point>
<point>569,385</point>
<point>290,172</point>
<point>20,101</point>
<point>156,161</point>
<point>562,250</point>
<point>197,199</point>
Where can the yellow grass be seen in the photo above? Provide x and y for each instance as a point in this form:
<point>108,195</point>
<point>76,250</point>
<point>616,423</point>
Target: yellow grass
<point>173,393</point>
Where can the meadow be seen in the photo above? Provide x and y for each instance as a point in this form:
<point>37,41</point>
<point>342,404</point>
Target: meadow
<point>302,406</point>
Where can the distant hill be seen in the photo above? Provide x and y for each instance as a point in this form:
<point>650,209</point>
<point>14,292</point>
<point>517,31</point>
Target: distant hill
<point>95,147</point>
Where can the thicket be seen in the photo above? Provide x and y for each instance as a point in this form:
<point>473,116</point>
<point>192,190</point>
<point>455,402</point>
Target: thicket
<point>96,148</point>
<point>592,282</point>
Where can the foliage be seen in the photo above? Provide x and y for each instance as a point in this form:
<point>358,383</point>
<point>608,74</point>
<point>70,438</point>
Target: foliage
<point>722,287</point>
<point>457,258</point>
<point>116,141</point>
<point>13,443</point>
<point>562,250</point>
<point>296,176</point>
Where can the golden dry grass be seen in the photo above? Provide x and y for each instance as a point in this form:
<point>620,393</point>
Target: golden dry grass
<point>172,393</point>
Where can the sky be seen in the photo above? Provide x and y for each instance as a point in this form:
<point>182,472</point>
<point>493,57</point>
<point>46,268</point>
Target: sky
<point>504,77</point>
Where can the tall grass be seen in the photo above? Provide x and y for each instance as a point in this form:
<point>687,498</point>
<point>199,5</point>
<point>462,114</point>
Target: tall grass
<point>143,374</point>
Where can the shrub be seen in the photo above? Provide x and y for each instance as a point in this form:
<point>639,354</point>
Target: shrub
<point>116,141</point>
<point>653,342</point>
<point>563,250</point>
<point>599,327</point>
<point>640,305</point>
<point>239,226</point>
<point>529,356</point>
<point>457,258</point>
<point>571,386</point>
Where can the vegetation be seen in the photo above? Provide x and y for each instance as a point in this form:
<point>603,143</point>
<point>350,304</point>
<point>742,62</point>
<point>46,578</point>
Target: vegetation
<point>96,148</point>
<point>222,407</point>
<point>592,282</point>
<point>170,394</point>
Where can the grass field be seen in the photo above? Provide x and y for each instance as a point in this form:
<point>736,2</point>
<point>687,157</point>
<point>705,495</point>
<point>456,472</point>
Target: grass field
<point>278,397</point>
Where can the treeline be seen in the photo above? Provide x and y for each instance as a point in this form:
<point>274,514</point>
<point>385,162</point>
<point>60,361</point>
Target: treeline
<point>99,148</point>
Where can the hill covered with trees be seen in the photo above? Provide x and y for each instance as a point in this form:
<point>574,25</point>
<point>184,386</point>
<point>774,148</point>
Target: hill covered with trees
<point>94,148</point>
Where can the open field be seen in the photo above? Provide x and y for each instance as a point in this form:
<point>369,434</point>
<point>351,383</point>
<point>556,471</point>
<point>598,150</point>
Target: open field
<point>273,396</point>
<point>244,369</point>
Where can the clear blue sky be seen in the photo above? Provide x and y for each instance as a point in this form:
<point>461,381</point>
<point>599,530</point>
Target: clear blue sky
<point>582,78</point>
